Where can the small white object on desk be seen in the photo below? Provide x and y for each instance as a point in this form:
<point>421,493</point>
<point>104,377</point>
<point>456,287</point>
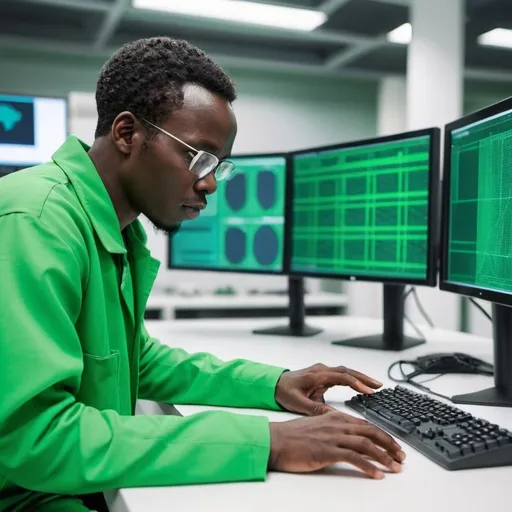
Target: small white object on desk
<point>423,485</point>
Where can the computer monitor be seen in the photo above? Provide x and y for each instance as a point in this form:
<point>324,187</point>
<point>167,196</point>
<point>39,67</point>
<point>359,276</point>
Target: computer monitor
<point>243,226</point>
<point>368,211</point>
<point>31,129</point>
<point>244,229</point>
<point>476,254</point>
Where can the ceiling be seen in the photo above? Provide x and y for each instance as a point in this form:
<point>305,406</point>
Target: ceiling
<point>352,42</point>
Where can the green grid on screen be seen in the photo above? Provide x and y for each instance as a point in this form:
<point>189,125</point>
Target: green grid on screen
<point>363,210</point>
<point>480,240</point>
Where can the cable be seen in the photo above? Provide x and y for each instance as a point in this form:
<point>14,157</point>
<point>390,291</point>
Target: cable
<point>420,368</point>
<point>407,379</point>
<point>475,303</point>
<point>411,323</point>
<point>435,377</point>
<point>417,329</point>
<point>421,309</point>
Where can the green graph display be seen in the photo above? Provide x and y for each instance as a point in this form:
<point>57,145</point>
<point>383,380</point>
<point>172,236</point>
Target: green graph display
<point>480,230</point>
<point>242,228</point>
<point>363,210</point>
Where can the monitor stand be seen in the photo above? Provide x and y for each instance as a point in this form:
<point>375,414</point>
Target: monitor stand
<point>501,394</point>
<point>297,312</point>
<point>392,339</point>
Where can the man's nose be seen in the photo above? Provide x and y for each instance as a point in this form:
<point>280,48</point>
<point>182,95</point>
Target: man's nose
<point>208,184</point>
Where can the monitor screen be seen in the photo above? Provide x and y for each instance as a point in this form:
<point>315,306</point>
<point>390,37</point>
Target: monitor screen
<point>479,210</point>
<point>31,130</point>
<point>242,228</point>
<point>362,211</point>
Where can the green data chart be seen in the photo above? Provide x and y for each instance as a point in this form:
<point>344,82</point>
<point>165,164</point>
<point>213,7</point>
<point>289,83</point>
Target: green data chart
<point>363,211</point>
<point>242,228</point>
<point>480,230</point>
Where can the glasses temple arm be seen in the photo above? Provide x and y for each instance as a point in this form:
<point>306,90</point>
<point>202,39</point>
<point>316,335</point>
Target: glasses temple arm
<point>170,135</point>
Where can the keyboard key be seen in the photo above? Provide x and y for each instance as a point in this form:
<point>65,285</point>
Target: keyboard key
<point>491,443</point>
<point>466,449</point>
<point>449,450</point>
<point>479,447</point>
<point>503,440</point>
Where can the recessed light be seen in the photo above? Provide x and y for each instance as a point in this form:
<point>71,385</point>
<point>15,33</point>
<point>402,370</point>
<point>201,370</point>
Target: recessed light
<point>240,11</point>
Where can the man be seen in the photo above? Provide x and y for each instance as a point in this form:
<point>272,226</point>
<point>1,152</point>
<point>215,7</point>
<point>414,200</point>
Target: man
<point>75,276</point>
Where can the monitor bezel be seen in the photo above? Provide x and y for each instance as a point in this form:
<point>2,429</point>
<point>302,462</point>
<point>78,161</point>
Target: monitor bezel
<point>433,209</point>
<point>42,96</point>
<point>286,246</point>
<point>445,284</point>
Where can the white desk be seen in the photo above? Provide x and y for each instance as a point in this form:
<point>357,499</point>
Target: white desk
<point>422,486</point>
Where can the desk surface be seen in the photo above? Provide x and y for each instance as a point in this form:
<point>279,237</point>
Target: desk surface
<point>421,487</point>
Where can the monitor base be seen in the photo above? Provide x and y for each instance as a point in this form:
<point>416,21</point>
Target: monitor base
<point>303,331</point>
<point>490,397</point>
<point>378,342</point>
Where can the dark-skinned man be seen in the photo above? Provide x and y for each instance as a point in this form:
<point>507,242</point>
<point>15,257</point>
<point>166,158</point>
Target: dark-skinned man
<point>75,275</point>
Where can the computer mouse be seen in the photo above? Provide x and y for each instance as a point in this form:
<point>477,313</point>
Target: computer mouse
<point>452,363</point>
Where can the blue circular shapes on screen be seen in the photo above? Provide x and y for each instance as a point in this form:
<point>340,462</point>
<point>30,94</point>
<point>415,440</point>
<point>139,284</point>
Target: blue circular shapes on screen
<point>267,189</point>
<point>266,245</point>
<point>236,245</point>
<point>236,194</point>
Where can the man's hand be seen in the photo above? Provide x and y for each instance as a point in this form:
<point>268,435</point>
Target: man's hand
<point>303,391</point>
<point>311,444</point>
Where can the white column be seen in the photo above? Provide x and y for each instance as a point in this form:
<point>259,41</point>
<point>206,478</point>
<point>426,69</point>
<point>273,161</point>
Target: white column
<point>392,106</point>
<point>435,82</point>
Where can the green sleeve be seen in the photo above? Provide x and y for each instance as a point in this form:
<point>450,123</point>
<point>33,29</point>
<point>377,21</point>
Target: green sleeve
<point>51,443</point>
<point>172,375</point>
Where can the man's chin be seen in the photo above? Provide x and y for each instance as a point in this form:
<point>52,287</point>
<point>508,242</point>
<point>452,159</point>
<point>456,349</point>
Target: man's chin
<point>169,230</point>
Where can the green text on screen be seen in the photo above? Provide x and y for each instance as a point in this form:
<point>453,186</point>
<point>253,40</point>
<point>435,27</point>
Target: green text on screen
<point>480,231</point>
<point>242,228</point>
<point>363,211</point>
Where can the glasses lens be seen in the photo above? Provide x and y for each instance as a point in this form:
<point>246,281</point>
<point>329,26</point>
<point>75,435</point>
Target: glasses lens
<point>203,164</point>
<point>224,170</point>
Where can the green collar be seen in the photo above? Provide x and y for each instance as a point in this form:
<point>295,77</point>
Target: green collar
<point>73,159</point>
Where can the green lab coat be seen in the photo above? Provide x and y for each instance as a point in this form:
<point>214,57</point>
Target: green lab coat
<point>75,356</point>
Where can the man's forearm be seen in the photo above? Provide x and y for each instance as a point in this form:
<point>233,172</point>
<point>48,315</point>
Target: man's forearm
<point>174,376</point>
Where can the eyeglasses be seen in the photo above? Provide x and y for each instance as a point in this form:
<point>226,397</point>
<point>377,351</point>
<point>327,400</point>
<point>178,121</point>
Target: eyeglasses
<point>203,163</point>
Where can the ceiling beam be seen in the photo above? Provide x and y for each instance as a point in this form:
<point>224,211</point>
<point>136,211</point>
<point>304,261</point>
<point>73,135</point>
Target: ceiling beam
<point>166,22</point>
<point>71,49</point>
<point>28,44</point>
<point>82,5</point>
<point>332,6</point>
<point>488,75</point>
<point>110,23</point>
<point>344,58</point>
<point>266,65</point>
<point>405,3</point>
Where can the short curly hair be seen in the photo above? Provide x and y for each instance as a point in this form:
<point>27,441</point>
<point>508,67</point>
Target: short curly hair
<point>146,77</point>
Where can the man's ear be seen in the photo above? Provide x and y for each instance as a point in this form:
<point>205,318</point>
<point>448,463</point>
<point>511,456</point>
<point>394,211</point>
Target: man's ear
<point>126,133</point>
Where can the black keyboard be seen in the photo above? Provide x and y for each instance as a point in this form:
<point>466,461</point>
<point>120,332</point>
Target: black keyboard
<point>449,436</point>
